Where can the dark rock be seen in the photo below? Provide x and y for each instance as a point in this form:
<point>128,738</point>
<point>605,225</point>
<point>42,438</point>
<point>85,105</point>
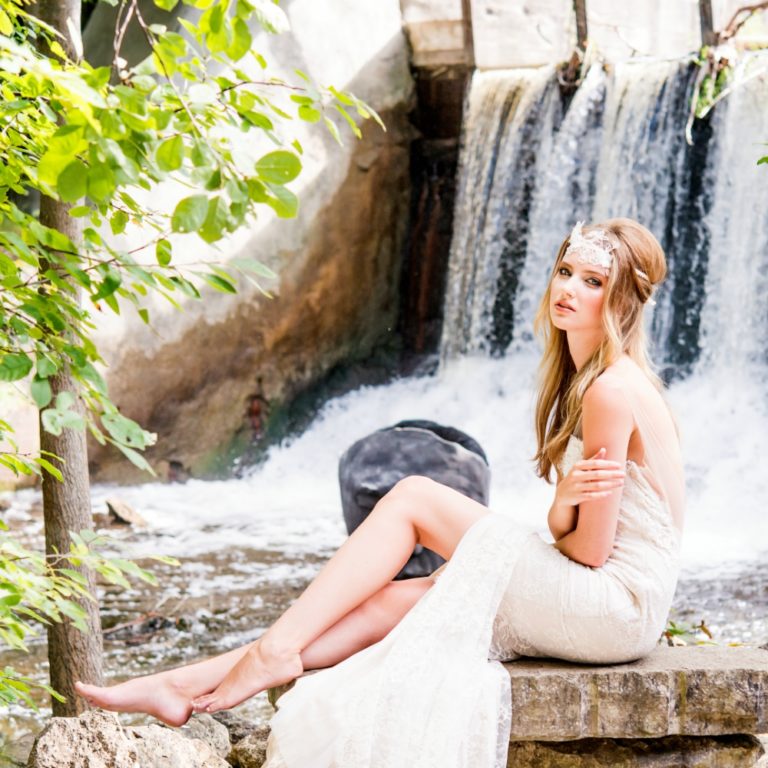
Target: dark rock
<point>238,727</point>
<point>251,752</point>
<point>370,468</point>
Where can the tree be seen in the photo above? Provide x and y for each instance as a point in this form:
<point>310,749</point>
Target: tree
<point>93,142</point>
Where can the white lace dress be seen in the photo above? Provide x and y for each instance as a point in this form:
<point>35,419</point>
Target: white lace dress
<point>433,694</point>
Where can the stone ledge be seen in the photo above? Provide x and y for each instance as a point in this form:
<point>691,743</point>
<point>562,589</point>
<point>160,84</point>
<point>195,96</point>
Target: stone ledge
<point>691,691</point>
<point>688,691</point>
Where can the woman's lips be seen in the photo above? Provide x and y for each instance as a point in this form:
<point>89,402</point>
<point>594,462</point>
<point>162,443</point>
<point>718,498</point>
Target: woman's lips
<point>563,307</point>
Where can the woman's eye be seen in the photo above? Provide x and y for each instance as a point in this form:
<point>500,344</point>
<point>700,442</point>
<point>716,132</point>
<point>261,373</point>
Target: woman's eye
<point>594,281</point>
<point>563,271</point>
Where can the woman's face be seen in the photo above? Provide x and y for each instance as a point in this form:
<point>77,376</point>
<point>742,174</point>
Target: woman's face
<point>576,296</point>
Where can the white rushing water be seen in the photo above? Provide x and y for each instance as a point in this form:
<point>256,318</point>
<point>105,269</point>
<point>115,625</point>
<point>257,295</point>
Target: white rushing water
<point>291,502</point>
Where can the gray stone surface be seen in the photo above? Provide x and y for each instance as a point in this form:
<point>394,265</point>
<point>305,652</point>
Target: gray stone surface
<point>160,747</point>
<point>669,752</point>
<point>238,727</point>
<point>207,729</point>
<point>97,740</point>
<point>694,690</point>
<point>250,752</point>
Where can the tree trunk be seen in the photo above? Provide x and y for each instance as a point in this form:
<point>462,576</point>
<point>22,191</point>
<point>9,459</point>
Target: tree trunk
<point>708,36</point>
<point>72,655</point>
<point>580,9</point>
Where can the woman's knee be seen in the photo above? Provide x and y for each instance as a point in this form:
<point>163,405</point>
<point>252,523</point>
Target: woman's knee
<point>413,486</point>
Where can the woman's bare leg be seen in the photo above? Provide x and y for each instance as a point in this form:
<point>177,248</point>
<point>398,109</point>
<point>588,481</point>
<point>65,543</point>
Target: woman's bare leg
<point>168,695</point>
<point>416,510</point>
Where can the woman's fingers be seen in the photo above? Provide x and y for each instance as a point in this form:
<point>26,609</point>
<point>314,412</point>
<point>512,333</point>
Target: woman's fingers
<point>600,485</point>
<point>598,464</point>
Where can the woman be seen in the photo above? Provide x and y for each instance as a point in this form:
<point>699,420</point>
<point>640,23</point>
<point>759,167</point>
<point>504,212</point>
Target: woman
<point>416,686</point>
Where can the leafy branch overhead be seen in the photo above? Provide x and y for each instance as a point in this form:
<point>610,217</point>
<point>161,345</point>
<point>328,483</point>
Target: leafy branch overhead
<point>113,141</point>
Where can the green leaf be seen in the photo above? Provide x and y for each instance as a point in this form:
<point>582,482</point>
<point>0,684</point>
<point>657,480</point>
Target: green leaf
<point>215,220</point>
<point>50,468</point>
<point>163,252</point>
<point>170,154</point>
<point>284,203</point>
<point>135,458</point>
<point>6,25</point>
<point>45,366</point>
<point>309,114</point>
<point>101,183</point>
<point>252,265</point>
<point>219,283</point>
<point>14,366</point>
<point>40,390</point>
<point>278,167</point>
<point>241,40</point>
<point>166,5</point>
<point>118,222</point>
<point>72,181</point>
<point>190,214</point>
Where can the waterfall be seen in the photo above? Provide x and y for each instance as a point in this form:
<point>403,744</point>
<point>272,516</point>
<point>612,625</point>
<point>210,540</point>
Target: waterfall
<point>534,162</point>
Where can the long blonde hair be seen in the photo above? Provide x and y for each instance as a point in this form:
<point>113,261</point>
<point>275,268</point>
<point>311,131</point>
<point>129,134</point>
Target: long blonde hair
<point>638,265</point>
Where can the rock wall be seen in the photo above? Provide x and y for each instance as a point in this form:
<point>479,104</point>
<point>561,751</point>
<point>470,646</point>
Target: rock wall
<point>203,378</point>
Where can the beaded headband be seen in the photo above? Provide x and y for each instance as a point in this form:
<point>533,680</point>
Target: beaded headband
<point>593,248</point>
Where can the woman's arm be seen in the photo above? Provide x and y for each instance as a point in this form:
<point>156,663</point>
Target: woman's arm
<point>606,423</point>
<point>562,518</point>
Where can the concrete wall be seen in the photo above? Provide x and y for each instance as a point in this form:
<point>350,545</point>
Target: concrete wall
<point>532,33</point>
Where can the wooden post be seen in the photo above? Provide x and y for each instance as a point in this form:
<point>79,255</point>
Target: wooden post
<point>72,655</point>
<point>469,39</point>
<point>708,36</point>
<point>580,9</point>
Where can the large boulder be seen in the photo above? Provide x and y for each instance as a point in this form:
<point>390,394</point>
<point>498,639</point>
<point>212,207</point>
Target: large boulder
<point>97,740</point>
<point>371,467</point>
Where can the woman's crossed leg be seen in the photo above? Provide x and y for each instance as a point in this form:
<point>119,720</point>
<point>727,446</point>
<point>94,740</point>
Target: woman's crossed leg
<point>350,604</point>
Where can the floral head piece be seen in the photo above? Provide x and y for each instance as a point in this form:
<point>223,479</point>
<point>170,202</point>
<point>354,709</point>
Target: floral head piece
<point>593,248</point>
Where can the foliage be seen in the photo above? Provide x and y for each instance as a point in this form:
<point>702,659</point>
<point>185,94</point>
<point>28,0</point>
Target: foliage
<point>112,143</point>
<point>102,139</point>
<point>35,589</point>
<point>685,633</point>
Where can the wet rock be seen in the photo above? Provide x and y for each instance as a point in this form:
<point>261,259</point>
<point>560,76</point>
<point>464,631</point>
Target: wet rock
<point>122,513</point>
<point>205,728</point>
<point>250,752</point>
<point>97,740</point>
<point>669,752</point>
<point>238,727</point>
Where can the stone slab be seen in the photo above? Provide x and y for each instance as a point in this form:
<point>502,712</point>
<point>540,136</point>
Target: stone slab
<point>692,690</point>
<point>668,752</point>
<point>689,691</point>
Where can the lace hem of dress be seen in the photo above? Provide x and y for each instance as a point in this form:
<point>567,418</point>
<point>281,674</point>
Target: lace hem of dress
<point>426,694</point>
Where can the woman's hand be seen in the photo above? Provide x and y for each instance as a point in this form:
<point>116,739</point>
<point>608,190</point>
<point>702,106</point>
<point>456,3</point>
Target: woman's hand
<point>589,479</point>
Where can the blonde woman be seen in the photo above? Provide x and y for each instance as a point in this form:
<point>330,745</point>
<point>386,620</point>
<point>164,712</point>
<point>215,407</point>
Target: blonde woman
<point>414,677</point>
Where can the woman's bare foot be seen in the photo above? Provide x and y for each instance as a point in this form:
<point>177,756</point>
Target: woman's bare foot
<point>157,695</point>
<point>258,670</point>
